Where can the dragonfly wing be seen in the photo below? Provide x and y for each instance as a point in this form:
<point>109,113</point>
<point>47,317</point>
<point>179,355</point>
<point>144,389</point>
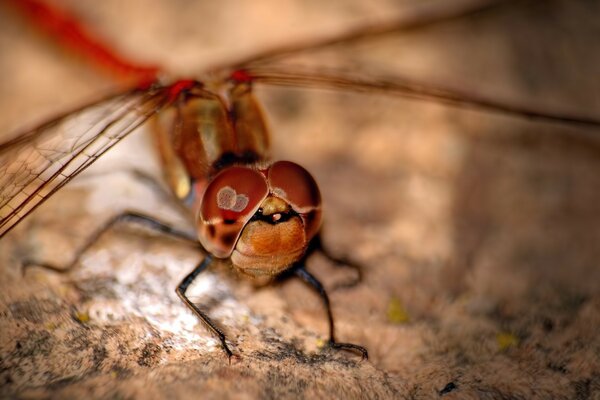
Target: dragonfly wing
<point>454,54</point>
<point>34,165</point>
<point>406,87</point>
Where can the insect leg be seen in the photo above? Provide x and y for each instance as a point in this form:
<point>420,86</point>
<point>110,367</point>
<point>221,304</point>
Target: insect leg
<point>316,244</point>
<point>127,216</point>
<point>307,277</point>
<point>182,288</point>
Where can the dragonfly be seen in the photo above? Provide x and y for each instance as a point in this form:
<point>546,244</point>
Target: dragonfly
<point>262,216</point>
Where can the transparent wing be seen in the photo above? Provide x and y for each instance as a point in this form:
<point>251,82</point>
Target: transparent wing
<point>466,53</point>
<point>406,87</point>
<point>37,163</point>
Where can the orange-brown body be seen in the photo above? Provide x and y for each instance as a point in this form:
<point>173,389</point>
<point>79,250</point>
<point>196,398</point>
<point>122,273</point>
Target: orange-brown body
<point>215,153</point>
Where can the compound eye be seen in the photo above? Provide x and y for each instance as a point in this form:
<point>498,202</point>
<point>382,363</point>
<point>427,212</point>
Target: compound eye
<point>296,185</point>
<point>228,203</point>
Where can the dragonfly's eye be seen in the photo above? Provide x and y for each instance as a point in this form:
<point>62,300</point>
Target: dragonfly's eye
<point>296,185</point>
<point>228,203</point>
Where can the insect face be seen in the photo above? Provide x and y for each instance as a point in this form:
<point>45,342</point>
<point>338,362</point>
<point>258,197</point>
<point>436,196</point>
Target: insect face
<point>262,218</point>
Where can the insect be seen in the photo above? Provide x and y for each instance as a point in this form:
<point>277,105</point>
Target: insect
<point>232,216</point>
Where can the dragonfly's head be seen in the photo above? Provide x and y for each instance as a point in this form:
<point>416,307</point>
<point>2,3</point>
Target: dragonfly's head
<point>263,219</point>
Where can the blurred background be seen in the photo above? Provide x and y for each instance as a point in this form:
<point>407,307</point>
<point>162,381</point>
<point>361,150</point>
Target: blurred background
<point>478,231</point>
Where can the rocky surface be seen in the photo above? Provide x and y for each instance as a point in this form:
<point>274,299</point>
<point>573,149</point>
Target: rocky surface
<point>478,232</point>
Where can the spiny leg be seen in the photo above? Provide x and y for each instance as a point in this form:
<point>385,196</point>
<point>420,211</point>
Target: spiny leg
<point>182,288</point>
<point>316,244</point>
<point>307,277</point>
<point>128,216</point>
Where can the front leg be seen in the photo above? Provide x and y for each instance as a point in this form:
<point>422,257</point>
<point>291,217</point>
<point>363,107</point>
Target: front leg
<point>300,271</point>
<point>181,290</point>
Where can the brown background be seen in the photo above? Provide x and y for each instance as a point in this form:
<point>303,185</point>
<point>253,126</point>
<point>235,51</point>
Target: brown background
<point>478,232</point>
